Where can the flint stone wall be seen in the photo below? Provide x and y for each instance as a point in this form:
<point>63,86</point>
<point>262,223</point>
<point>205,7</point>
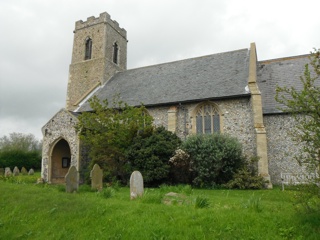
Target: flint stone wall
<point>281,147</point>
<point>61,126</point>
<point>237,120</point>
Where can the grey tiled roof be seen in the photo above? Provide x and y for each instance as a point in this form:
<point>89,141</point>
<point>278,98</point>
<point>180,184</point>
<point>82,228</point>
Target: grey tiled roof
<point>281,72</point>
<point>216,76</point>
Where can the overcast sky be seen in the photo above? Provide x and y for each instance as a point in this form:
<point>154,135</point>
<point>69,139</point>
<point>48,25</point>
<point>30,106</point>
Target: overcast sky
<point>36,42</point>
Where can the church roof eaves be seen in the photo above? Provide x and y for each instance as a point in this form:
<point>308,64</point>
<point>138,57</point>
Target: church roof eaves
<point>217,76</point>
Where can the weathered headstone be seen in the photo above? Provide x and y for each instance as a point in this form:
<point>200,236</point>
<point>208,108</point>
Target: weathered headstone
<point>16,171</point>
<point>7,172</point>
<point>31,171</point>
<point>1,171</point>
<point>72,180</point>
<point>136,185</point>
<point>96,175</point>
<point>24,171</point>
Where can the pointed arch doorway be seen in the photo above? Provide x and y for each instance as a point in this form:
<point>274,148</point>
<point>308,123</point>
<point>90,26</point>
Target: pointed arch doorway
<point>60,161</point>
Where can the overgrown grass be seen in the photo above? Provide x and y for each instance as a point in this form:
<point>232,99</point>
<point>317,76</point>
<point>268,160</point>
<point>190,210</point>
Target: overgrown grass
<point>31,211</point>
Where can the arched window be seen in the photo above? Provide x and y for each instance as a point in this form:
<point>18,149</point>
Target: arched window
<point>115,53</point>
<point>207,119</point>
<point>88,50</point>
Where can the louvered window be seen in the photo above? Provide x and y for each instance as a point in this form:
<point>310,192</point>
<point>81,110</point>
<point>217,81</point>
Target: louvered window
<point>115,53</point>
<point>88,50</point>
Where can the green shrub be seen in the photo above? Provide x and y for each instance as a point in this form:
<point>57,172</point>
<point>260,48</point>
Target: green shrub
<point>214,158</point>
<point>180,168</point>
<point>244,179</point>
<point>20,158</point>
<point>247,177</point>
<point>150,154</point>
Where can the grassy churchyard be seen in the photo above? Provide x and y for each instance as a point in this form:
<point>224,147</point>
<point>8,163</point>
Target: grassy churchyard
<point>41,211</point>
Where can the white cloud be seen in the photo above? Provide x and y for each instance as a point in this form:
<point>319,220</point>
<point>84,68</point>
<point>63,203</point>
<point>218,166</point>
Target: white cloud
<point>36,42</point>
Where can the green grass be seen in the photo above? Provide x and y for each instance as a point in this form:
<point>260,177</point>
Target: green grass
<point>30,211</point>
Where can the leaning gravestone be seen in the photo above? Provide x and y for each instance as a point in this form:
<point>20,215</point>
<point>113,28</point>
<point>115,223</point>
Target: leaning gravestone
<point>16,171</point>
<point>72,180</point>
<point>24,171</point>
<point>136,185</point>
<point>96,175</point>
<point>31,171</point>
<point>7,172</point>
<point>1,171</point>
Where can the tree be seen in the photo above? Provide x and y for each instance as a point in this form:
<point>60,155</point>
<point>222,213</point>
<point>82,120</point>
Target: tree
<point>21,150</point>
<point>108,131</point>
<point>150,154</point>
<point>304,105</point>
<point>21,141</point>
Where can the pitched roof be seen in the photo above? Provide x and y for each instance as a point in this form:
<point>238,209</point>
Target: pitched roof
<point>282,72</point>
<point>216,76</point>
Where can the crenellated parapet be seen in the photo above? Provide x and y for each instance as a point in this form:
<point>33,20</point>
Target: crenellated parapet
<point>103,18</point>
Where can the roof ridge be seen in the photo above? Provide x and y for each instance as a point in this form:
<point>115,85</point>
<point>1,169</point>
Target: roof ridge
<point>283,59</point>
<point>186,59</point>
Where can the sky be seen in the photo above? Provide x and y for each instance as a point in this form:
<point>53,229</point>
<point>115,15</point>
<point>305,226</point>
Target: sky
<point>36,42</point>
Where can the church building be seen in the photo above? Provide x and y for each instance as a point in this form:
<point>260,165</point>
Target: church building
<point>231,92</point>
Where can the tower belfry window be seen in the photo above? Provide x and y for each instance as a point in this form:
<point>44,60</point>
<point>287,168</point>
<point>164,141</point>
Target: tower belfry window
<point>88,50</point>
<point>115,53</point>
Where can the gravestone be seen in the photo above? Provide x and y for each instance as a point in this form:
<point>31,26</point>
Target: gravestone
<point>16,171</point>
<point>136,185</point>
<point>31,171</point>
<point>24,171</point>
<point>1,171</point>
<point>72,180</point>
<point>7,172</point>
<point>96,175</point>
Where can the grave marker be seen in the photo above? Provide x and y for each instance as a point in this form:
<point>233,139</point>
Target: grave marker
<point>72,180</point>
<point>7,172</point>
<point>96,175</point>
<point>16,171</point>
<point>136,185</point>
<point>24,171</point>
<point>31,171</point>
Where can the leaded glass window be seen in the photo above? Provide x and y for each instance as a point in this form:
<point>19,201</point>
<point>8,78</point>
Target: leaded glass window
<point>207,119</point>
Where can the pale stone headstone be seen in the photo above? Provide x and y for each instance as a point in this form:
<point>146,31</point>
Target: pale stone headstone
<point>24,171</point>
<point>7,172</point>
<point>72,180</point>
<point>136,185</point>
<point>96,175</point>
<point>16,171</point>
<point>31,171</point>
<point>1,171</point>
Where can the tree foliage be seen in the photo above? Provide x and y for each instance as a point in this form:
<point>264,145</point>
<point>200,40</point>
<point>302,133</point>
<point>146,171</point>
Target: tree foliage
<point>304,105</point>
<point>214,158</point>
<point>21,150</point>
<point>108,131</point>
<point>150,154</point>
<point>20,141</point>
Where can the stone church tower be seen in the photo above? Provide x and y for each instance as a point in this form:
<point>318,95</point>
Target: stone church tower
<point>99,51</point>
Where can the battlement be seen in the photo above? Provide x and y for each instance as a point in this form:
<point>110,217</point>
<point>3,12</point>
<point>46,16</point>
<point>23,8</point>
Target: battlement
<point>103,18</point>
